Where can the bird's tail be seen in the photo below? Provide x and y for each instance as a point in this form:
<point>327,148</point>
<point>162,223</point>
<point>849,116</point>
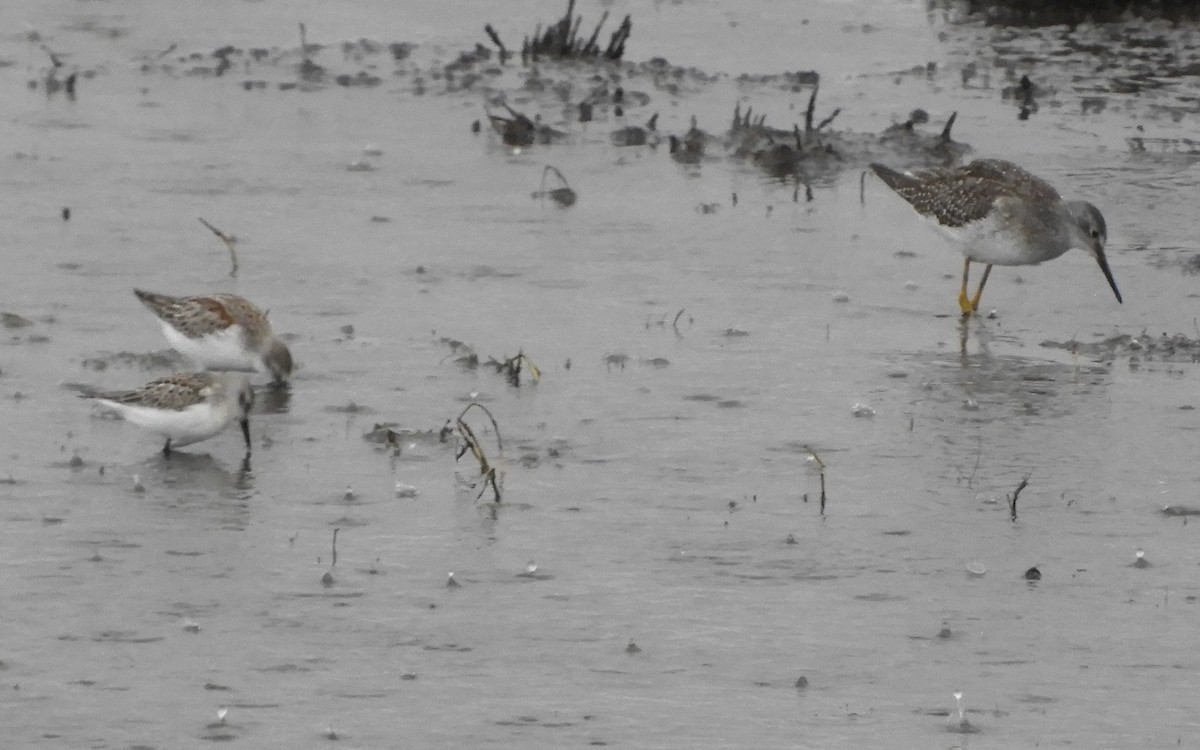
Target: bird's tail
<point>893,179</point>
<point>156,302</point>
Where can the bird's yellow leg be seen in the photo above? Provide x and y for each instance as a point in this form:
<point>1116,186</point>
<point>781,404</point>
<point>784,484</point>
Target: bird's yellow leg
<point>979,292</point>
<point>964,302</point>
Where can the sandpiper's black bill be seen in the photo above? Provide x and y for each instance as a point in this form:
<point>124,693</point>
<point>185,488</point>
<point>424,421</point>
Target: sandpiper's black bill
<point>1108,275</point>
<point>246,433</point>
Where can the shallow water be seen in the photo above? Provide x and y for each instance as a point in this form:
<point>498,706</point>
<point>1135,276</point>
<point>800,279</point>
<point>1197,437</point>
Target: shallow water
<point>671,502</point>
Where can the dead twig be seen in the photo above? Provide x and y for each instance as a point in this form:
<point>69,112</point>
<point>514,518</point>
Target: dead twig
<point>561,39</point>
<point>511,368</point>
<point>491,32</point>
<point>309,70</point>
<point>563,195</point>
<point>945,137</point>
<point>55,60</point>
<point>820,472</point>
<point>811,109</point>
<point>230,242</point>
<point>465,356</point>
<point>1012,501</point>
<point>590,47</point>
<point>978,458</point>
<point>829,119</point>
<point>490,473</point>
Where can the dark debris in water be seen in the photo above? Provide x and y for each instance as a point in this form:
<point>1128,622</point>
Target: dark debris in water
<point>1037,13</point>
<point>592,90</point>
<point>519,130</point>
<point>307,67</point>
<point>1176,348</point>
<point>575,73</point>
<point>350,407</point>
<point>393,434</point>
<point>512,367</point>
<point>124,636</point>
<point>13,320</point>
<point>163,359</point>
<point>637,135</point>
<point>815,151</point>
<point>219,737</point>
<point>562,41</point>
<point>1191,265</point>
<point>1177,147</point>
<point>615,359</point>
<point>509,367</point>
<point>388,431</point>
<point>1103,53</point>
<point>562,196</point>
<point>962,726</point>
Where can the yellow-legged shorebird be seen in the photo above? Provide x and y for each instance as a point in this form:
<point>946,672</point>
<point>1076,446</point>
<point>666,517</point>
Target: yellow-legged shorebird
<point>999,214</point>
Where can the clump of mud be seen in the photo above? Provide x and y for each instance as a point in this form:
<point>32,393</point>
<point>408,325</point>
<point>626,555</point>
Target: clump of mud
<point>1166,348</point>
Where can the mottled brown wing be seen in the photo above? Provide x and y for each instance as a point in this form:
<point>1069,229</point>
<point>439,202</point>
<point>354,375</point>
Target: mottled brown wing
<point>955,197</point>
<point>191,316</point>
<point>170,392</point>
<point>243,312</point>
<point>1016,181</point>
<point>951,198</point>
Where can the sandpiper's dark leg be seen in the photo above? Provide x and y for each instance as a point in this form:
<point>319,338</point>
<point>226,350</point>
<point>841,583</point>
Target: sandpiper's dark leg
<point>246,434</point>
<point>964,302</point>
<point>979,292</point>
<point>167,448</point>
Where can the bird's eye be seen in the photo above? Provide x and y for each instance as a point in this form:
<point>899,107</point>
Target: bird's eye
<point>1096,234</point>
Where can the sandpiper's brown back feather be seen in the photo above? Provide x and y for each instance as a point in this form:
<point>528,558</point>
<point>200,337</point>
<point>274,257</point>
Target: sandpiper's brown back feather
<point>171,392</point>
<point>204,314</point>
<point>958,196</point>
<point>245,313</point>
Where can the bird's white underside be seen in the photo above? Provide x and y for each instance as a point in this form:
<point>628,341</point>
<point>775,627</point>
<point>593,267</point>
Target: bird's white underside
<point>221,350</point>
<point>183,426</point>
<point>984,241</point>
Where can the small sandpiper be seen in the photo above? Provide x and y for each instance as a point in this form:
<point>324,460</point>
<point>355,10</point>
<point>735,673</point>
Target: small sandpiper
<point>185,408</point>
<point>221,332</point>
<point>999,214</point>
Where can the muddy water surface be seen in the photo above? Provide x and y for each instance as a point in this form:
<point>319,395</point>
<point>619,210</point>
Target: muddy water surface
<point>659,573</point>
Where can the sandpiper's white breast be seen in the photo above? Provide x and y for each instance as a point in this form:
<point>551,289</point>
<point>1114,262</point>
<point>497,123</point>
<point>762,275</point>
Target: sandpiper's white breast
<point>220,350</point>
<point>182,426</point>
<point>1009,235</point>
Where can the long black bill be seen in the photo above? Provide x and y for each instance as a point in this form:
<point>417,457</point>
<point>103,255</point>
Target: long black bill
<point>246,423</point>
<point>1108,274</point>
